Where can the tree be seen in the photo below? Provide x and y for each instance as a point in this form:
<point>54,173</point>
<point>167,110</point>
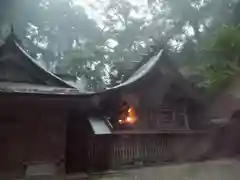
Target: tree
<point>107,49</point>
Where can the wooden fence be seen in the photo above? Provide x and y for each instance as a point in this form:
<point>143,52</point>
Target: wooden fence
<point>119,150</point>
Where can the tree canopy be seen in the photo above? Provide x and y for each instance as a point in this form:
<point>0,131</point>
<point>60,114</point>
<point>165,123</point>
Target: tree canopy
<point>102,41</point>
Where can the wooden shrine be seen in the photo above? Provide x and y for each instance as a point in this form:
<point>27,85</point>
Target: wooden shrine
<point>49,125</point>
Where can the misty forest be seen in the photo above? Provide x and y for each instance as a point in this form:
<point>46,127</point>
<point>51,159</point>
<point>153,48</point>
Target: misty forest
<point>102,41</point>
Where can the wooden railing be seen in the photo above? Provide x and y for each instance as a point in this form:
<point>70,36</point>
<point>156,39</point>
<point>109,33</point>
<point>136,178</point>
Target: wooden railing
<point>139,149</point>
<point>147,148</point>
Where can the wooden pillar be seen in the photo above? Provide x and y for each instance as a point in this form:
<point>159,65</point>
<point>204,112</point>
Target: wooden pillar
<point>112,153</point>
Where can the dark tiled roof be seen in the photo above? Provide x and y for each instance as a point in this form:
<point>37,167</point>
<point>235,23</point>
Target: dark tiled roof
<point>62,87</point>
<point>43,74</point>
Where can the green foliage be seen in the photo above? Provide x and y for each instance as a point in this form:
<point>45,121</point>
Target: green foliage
<point>220,59</point>
<point>226,44</point>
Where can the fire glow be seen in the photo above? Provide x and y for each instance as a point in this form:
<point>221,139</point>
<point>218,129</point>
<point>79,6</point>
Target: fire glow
<point>131,117</point>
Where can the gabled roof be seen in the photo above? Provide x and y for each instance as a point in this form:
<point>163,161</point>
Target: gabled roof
<point>12,50</point>
<point>157,68</point>
<point>178,79</point>
<point>48,83</point>
<point>162,72</point>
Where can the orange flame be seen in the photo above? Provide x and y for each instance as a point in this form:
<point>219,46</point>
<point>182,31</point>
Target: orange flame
<point>131,117</point>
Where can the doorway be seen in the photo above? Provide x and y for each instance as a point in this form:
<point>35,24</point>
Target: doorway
<point>77,143</point>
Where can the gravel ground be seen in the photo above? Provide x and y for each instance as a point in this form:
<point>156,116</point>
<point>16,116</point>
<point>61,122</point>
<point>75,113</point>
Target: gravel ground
<point>210,170</point>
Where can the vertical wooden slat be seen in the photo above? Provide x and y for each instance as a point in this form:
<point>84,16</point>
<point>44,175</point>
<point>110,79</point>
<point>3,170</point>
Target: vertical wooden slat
<point>149,148</point>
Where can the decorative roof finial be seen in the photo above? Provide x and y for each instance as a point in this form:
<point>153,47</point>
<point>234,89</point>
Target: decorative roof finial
<point>12,36</point>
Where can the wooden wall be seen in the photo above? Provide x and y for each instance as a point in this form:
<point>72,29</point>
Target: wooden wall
<point>30,131</point>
